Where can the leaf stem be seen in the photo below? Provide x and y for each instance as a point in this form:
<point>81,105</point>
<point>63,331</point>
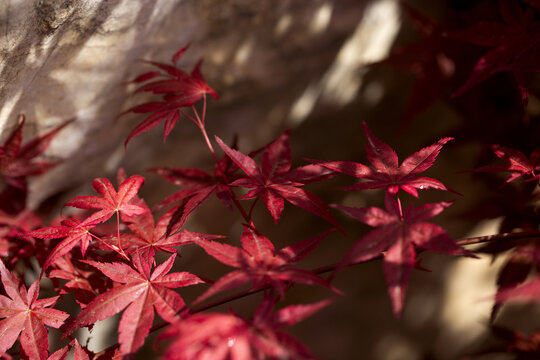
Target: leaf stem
<point>203,117</point>
<point>118,236</point>
<point>252,208</point>
<point>122,254</point>
<point>400,208</point>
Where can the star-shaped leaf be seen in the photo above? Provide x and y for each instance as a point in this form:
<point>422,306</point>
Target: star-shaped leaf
<point>527,292</point>
<point>149,237</point>
<point>398,232</point>
<point>257,262</point>
<point>111,202</point>
<point>141,292</point>
<point>274,182</point>
<point>513,42</point>
<point>18,161</point>
<point>431,59</point>
<point>25,317</point>
<point>82,280</point>
<point>386,173</point>
<point>75,233</point>
<point>13,235</point>
<point>516,163</point>
<point>229,336</point>
<point>178,90</point>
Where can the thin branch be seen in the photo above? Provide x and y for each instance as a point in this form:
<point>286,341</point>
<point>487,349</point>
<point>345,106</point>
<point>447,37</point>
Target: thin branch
<point>498,237</point>
<point>332,267</point>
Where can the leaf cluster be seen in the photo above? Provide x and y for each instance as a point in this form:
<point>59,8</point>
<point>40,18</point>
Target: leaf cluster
<point>117,254</point>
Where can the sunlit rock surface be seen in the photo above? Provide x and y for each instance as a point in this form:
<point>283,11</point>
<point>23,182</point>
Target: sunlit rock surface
<point>271,62</point>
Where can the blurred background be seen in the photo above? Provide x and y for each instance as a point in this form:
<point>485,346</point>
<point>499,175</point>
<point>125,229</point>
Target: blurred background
<point>315,67</point>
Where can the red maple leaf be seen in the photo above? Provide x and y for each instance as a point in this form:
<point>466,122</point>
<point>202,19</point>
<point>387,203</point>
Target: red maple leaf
<point>141,292</point>
<point>17,161</point>
<point>514,43</point>
<point>431,60</point>
<point>522,346</point>
<point>149,236</point>
<point>26,317</point>
<point>111,202</point>
<point>525,346</point>
<point>386,172</point>
<point>229,336</point>
<point>79,353</point>
<point>397,233</point>
<point>516,163</point>
<point>275,182</point>
<point>81,279</point>
<point>178,89</point>
<point>13,235</point>
<point>194,182</point>
<point>525,292</point>
<point>522,259</point>
<point>199,183</point>
<point>258,263</point>
<point>75,233</point>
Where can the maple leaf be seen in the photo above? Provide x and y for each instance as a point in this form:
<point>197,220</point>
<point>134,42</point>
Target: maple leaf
<point>178,89</point>
<point>141,292</point>
<point>525,346</point>
<point>148,236</point>
<point>398,232</point>
<point>26,317</point>
<point>431,60</point>
<point>516,163</point>
<point>386,173</point>
<point>75,233</point>
<point>82,280</point>
<point>258,262</point>
<point>514,43</point>
<point>517,343</point>
<point>192,180</point>
<point>60,354</point>
<point>13,234</point>
<point>527,292</point>
<point>79,353</point>
<point>17,161</point>
<point>111,202</point>
<point>229,336</point>
<point>199,184</point>
<point>521,260</point>
<point>275,182</point>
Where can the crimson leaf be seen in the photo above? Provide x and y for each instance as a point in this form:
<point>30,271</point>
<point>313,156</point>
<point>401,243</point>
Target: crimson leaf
<point>26,317</point>
<point>229,336</point>
<point>258,262</point>
<point>178,89</point>
<point>141,292</point>
<point>111,202</point>
<point>516,163</point>
<point>74,233</point>
<point>18,162</point>
<point>431,60</point>
<point>513,42</point>
<point>398,232</point>
<point>148,237</point>
<point>386,172</point>
<point>275,182</point>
